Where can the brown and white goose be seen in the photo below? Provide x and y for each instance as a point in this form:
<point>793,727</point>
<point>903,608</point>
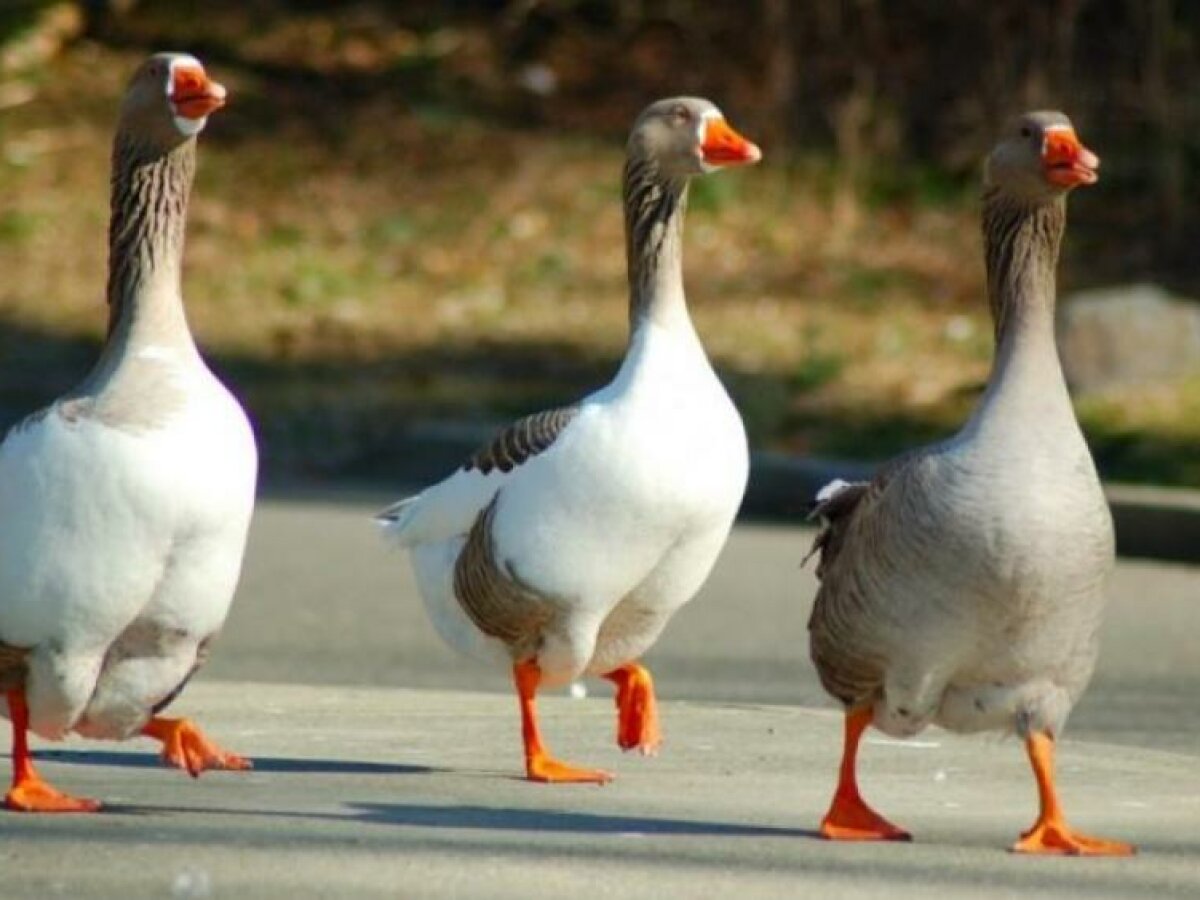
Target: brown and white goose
<point>124,505</point>
<point>564,547</point>
<point>964,586</point>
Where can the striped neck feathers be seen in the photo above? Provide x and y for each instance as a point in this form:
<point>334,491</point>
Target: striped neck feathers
<point>654,211</point>
<point>150,191</point>
<point>1021,246</point>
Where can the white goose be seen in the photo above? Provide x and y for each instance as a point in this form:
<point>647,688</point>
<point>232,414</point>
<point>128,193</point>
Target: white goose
<point>564,546</point>
<point>965,585</point>
<point>124,505</point>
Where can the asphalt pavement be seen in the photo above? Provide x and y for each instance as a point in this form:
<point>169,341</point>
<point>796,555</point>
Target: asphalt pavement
<point>401,793</point>
<point>324,601</point>
<point>387,766</point>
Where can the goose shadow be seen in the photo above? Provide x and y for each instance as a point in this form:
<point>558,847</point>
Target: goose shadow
<point>271,764</point>
<point>490,818</point>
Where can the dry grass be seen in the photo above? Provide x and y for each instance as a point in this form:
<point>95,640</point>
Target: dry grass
<point>354,267</point>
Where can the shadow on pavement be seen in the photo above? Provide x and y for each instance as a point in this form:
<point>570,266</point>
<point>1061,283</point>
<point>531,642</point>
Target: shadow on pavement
<point>486,818</point>
<point>508,819</point>
<point>274,764</point>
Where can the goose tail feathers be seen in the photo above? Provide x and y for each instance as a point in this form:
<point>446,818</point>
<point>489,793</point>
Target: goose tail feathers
<point>832,507</point>
<point>396,519</point>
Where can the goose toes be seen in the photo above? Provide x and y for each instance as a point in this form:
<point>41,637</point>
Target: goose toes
<point>550,771</point>
<point>35,795</point>
<point>186,747</point>
<point>1057,838</point>
<point>637,710</point>
<point>850,819</point>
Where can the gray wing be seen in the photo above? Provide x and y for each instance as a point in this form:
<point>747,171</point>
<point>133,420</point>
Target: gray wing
<point>494,597</point>
<point>834,509</point>
<point>522,440</point>
<point>853,522</point>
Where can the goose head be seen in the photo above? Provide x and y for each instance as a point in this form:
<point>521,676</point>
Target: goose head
<point>686,136</point>
<point>1040,158</point>
<point>168,100</point>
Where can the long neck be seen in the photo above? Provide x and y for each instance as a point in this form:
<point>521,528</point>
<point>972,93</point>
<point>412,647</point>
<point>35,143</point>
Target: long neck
<point>145,243</point>
<point>1021,243</point>
<point>654,212</point>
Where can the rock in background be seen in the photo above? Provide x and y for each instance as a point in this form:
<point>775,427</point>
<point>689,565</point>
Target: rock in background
<point>1127,335</point>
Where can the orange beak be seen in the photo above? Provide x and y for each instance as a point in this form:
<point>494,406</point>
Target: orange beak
<point>722,146</point>
<point>1066,162</point>
<point>193,94</point>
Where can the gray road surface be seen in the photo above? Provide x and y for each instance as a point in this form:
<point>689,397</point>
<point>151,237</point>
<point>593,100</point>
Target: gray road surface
<point>324,601</point>
<point>411,794</point>
<point>408,788</point>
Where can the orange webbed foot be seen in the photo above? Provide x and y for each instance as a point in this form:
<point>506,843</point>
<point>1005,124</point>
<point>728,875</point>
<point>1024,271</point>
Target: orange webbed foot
<point>29,793</point>
<point>35,795</point>
<point>1057,838</point>
<point>850,819</point>
<point>1050,834</point>
<point>550,771</point>
<point>186,747</point>
<point>539,764</point>
<point>637,710</point>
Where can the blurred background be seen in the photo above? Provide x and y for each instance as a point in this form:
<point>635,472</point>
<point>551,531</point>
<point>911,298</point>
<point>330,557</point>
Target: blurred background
<point>407,221</point>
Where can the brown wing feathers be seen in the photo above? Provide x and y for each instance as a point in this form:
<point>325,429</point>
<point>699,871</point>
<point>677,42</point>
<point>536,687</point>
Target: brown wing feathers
<point>493,595</point>
<point>524,438</point>
<point>845,670</point>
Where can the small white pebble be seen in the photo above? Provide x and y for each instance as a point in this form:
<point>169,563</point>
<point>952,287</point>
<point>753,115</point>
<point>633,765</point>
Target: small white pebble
<point>939,775</point>
<point>578,690</point>
<point>191,883</point>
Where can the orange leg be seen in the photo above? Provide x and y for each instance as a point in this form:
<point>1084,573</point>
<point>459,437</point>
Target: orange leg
<point>29,793</point>
<point>539,765</point>
<point>186,747</point>
<point>637,710</point>
<point>1050,833</point>
<point>849,818</point>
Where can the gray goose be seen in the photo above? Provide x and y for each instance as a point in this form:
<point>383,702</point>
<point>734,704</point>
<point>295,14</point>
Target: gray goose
<point>564,547</point>
<point>124,505</point>
<point>964,585</point>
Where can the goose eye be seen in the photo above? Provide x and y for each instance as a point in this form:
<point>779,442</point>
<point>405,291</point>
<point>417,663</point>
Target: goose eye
<point>681,114</point>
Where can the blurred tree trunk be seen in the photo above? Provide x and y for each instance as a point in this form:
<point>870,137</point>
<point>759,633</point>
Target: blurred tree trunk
<point>1167,169</point>
<point>100,14</point>
<point>858,31</point>
<point>782,102</point>
<point>1065,27</point>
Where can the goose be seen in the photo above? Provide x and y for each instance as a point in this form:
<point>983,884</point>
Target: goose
<point>964,586</point>
<point>124,505</point>
<point>562,548</point>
